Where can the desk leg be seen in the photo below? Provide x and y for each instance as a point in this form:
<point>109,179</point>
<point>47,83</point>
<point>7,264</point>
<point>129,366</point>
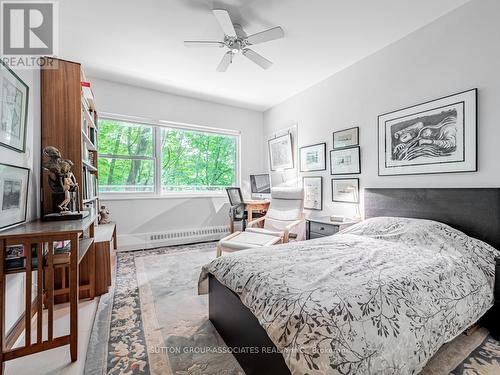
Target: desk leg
<point>250,213</point>
<point>73,297</point>
<point>2,304</point>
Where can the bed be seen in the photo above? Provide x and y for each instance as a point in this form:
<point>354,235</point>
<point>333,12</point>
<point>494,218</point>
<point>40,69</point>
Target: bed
<point>382,296</point>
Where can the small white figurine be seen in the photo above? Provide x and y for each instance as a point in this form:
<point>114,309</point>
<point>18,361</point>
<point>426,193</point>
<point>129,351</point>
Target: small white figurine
<point>104,215</point>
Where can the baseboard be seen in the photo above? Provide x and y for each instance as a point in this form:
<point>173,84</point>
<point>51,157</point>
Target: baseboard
<point>151,240</point>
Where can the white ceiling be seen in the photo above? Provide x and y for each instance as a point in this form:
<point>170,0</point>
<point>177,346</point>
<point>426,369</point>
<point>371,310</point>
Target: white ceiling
<point>141,42</point>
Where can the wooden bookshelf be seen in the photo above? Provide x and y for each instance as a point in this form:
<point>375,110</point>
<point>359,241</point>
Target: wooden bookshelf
<point>69,123</point>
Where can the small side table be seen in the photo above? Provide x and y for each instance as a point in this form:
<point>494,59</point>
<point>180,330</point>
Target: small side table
<point>323,226</point>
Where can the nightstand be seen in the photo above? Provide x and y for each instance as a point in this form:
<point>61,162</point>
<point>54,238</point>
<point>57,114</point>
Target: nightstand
<point>322,226</point>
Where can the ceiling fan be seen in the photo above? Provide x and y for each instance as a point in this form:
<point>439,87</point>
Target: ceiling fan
<point>237,41</point>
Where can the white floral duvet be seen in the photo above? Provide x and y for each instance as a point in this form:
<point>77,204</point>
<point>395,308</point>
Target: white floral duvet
<point>380,297</point>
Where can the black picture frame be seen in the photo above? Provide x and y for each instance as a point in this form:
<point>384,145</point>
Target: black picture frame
<point>24,118</point>
<point>358,164</point>
<point>472,112</point>
<point>344,130</point>
<point>323,168</point>
<point>356,201</point>
<point>23,199</point>
<point>321,192</point>
<point>290,140</point>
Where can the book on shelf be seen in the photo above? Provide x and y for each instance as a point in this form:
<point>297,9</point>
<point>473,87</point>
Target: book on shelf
<point>89,189</point>
<point>15,256</point>
<point>85,153</point>
<point>62,250</point>
<point>87,91</point>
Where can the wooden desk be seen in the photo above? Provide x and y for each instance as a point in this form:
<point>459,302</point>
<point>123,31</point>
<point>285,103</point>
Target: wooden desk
<point>42,235</point>
<point>255,205</point>
<point>250,206</point>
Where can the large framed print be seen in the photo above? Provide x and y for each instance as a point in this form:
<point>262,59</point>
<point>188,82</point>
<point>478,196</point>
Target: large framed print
<point>14,182</point>
<point>313,158</point>
<point>281,152</point>
<point>345,190</point>
<point>13,109</point>
<point>346,138</point>
<point>345,161</point>
<point>439,136</point>
<point>313,192</point>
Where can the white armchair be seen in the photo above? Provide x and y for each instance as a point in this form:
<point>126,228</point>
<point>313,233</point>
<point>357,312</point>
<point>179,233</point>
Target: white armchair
<point>285,214</point>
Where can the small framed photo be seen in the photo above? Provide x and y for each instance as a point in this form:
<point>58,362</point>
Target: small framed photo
<point>345,161</point>
<point>13,109</point>
<point>345,190</point>
<point>313,192</point>
<point>281,152</point>
<point>14,182</point>
<point>313,158</point>
<point>346,138</point>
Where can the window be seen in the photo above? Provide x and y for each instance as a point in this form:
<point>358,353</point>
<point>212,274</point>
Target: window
<point>181,161</point>
<point>195,161</point>
<point>126,157</point>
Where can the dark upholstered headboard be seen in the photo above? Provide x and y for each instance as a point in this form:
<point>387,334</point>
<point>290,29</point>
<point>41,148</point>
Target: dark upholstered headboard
<point>474,211</point>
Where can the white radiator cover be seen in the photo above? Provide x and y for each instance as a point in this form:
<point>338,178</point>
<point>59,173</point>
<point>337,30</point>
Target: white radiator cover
<point>140,241</point>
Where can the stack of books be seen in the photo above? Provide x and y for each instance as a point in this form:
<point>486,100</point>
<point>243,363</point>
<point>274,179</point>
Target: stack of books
<point>62,252</point>
<point>14,257</point>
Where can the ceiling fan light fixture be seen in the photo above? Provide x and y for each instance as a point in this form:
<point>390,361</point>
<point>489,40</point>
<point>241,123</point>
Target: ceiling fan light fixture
<point>237,41</point>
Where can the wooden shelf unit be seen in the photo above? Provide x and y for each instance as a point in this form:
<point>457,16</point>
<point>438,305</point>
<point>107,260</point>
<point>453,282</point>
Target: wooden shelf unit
<point>69,123</point>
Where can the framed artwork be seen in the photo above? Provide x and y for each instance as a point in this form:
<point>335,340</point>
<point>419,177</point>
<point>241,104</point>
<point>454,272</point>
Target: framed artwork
<point>281,153</point>
<point>345,190</point>
<point>345,161</point>
<point>439,136</point>
<point>14,182</point>
<point>13,109</point>
<point>313,192</point>
<point>346,138</point>
<point>313,158</point>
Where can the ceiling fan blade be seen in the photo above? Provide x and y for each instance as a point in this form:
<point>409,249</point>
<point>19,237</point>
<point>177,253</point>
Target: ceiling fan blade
<point>258,59</point>
<point>202,43</point>
<point>266,36</point>
<point>225,22</point>
<point>225,62</point>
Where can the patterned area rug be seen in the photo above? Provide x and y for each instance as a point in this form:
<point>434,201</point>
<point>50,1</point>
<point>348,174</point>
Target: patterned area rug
<point>153,322</point>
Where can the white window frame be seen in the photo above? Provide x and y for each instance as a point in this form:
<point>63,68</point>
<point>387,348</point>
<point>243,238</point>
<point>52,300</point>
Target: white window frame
<point>158,125</point>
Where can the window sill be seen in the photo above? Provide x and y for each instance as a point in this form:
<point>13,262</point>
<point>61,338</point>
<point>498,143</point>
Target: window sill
<point>132,196</point>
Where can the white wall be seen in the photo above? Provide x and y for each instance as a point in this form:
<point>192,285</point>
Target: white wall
<point>30,159</point>
<point>138,216</point>
<point>457,52</point>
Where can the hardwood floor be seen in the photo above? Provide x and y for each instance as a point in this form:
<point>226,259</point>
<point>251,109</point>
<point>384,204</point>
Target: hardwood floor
<point>58,361</point>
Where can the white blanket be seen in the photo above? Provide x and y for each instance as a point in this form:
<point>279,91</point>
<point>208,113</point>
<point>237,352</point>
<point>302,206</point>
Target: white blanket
<point>381,297</point>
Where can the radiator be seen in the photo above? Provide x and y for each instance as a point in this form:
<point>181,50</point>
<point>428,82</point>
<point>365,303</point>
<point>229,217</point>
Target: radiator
<point>141,241</point>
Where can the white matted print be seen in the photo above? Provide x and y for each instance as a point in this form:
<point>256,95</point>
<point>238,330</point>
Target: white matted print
<point>434,137</point>
<point>13,194</point>
<point>313,158</point>
<point>345,190</point>
<point>281,152</point>
<point>346,138</point>
<point>13,109</point>
<point>313,192</point>
<point>345,161</point>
